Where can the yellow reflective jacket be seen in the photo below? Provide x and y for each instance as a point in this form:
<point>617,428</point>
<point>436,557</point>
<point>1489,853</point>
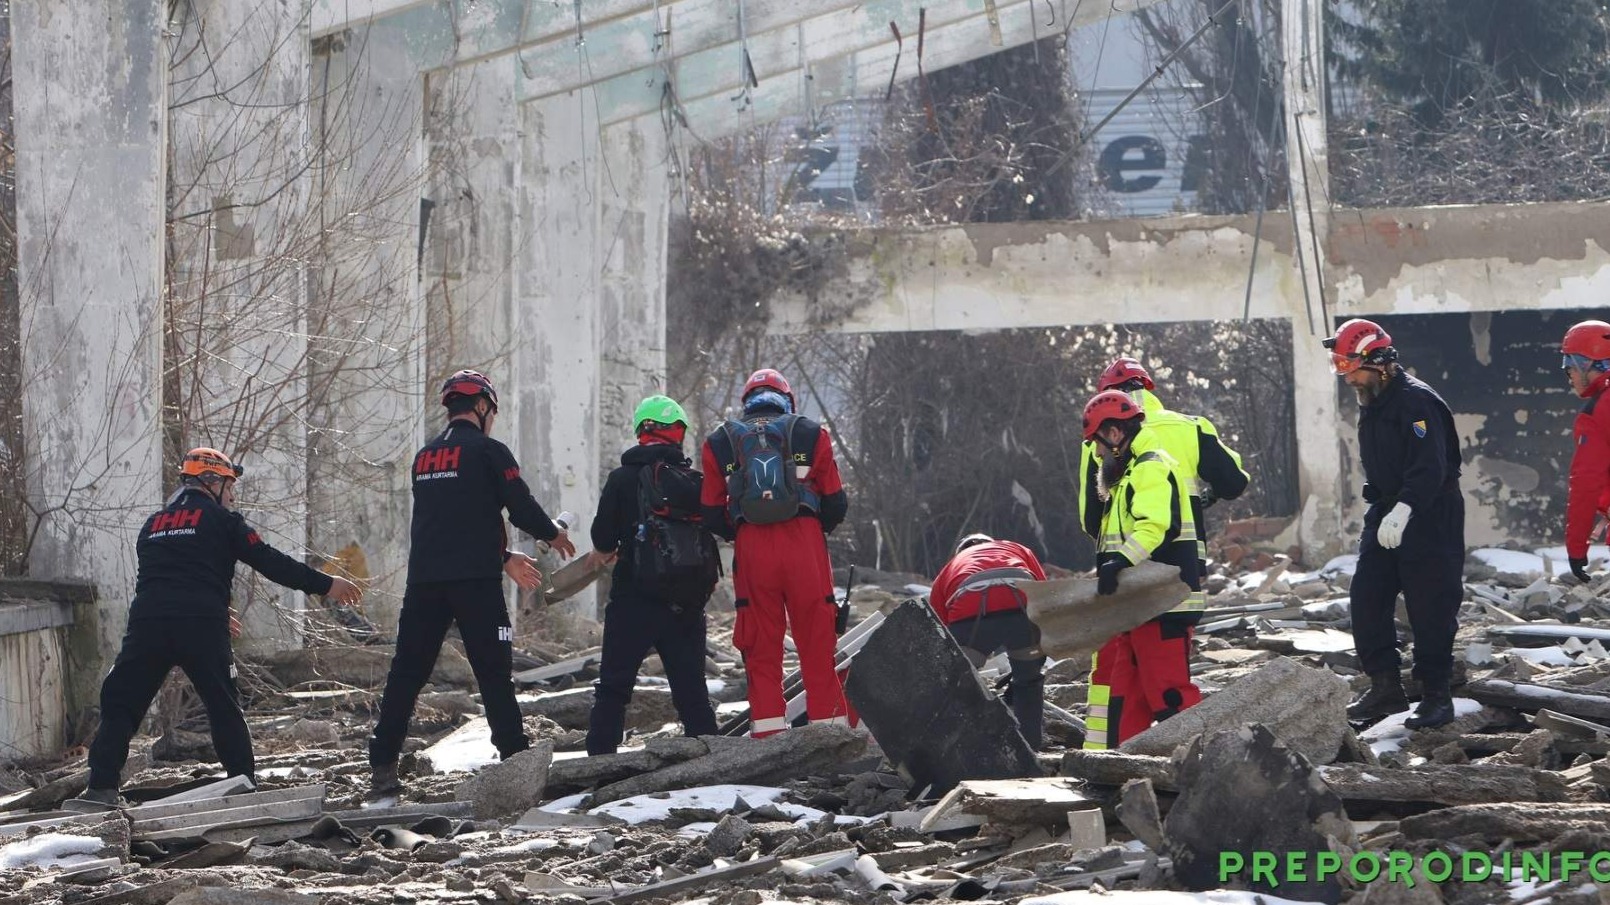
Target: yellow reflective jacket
<point>1147,515</point>
<point>1204,460</point>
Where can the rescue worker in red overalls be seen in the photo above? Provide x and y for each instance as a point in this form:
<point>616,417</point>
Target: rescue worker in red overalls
<point>1586,350</point>
<point>1211,469</point>
<point>1140,511</point>
<point>772,488</point>
<point>975,595</point>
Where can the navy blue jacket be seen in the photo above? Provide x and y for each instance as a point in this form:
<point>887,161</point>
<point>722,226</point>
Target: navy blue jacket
<point>187,554</point>
<point>1408,445</point>
<point>463,480</point>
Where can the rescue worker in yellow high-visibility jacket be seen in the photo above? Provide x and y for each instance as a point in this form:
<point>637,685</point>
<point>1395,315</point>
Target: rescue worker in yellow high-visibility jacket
<point>1139,511</point>
<point>1211,470</point>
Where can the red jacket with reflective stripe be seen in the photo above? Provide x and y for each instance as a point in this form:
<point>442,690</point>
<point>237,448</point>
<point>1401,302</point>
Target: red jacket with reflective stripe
<point>1590,473</point>
<point>998,554</point>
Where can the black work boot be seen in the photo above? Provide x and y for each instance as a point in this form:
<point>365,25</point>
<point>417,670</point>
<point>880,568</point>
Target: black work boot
<point>1384,698</point>
<point>1435,709</point>
<point>384,782</point>
<point>102,799</point>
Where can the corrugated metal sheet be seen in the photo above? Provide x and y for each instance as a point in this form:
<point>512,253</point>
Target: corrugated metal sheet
<point>830,174</point>
<point>33,694</point>
<point>1141,156</point>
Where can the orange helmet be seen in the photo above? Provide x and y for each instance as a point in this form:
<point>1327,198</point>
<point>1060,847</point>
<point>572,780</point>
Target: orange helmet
<point>1109,405</point>
<point>1122,371</point>
<point>204,463</point>
<point>1589,339</point>
<point>1357,343</point>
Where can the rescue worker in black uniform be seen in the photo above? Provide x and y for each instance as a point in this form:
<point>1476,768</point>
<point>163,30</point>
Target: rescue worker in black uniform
<point>462,481</point>
<point>1414,529</point>
<point>641,617</point>
<point>180,616</point>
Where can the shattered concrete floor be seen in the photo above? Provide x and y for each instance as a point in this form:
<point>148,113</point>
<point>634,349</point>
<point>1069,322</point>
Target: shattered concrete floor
<point>817,815</point>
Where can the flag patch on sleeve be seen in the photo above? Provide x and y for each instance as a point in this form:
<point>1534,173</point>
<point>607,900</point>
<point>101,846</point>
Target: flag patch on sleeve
<point>1420,429</point>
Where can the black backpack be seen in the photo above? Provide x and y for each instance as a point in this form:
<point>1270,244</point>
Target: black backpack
<point>672,555</point>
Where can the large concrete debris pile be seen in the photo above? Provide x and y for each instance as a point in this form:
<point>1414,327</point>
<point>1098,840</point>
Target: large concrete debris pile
<point>932,797</point>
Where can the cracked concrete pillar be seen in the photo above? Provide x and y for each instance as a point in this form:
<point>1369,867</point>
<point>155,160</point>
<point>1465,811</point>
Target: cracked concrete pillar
<point>91,84</point>
<point>634,214</point>
<point>1319,445</point>
<point>556,363</point>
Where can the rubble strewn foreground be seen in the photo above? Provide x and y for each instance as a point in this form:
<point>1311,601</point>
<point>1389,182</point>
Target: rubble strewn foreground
<point>1266,767</point>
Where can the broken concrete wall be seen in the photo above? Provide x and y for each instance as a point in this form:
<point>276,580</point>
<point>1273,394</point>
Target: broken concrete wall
<point>91,143</point>
<point>1500,374</point>
<point>1481,261</point>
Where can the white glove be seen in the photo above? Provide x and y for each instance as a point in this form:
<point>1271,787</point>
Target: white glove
<point>1390,532</point>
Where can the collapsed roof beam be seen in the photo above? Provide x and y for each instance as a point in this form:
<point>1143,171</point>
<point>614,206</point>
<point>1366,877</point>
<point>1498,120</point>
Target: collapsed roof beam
<point>442,33</point>
<point>867,72</point>
<point>700,41</point>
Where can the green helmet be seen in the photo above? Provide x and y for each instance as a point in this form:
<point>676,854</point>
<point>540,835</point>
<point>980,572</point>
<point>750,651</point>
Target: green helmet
<point>659,409</point>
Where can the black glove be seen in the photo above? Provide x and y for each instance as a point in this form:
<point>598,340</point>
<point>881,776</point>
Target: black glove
<point>1579,568</point>
<point>1208,496</point>
<point>1107,575</point>
<point>1371,495</point>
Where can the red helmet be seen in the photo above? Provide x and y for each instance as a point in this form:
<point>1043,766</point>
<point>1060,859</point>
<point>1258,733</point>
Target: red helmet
<point>1122,371</point>
<point>1590,339</point>
<point>1109,405</point>
<point>767,379</point>
<point>1357,343</point>
<point>469,383</point>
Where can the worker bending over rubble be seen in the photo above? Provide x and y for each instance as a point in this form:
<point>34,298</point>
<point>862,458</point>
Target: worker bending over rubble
<point>462,481</point>
<point>771,487</point>
<point>975,595</point>
<point>1137,509</point>
<point>180,616</point>
<point>1212,470</point>
<point>650,512</point>
<point>1414,529</point>
<point>1586,351</point>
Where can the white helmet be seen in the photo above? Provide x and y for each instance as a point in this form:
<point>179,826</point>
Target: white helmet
<point>972,540</point>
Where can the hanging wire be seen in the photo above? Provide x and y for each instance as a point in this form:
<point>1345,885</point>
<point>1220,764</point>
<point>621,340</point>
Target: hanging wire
<point>746,65</point>
<point>1158,70</point>
<point>1308,203</point>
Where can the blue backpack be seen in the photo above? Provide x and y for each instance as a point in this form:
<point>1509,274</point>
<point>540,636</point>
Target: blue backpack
<point>763,487</point>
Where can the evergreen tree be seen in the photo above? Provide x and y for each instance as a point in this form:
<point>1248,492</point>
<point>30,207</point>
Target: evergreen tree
<point>1440,56</point>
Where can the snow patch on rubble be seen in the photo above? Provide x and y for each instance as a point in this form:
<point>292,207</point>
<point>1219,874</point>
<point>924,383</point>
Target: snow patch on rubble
<point>1558,554</point>
<point>917,590</point>
<point>1162,897</point>
<point>716,798</point>
<point>1542,656</point>
<point>1345,564</point>
<point>713,686</point>
<point>1516,562</point>
<point>565,805</point>
<point>467,749</point>
<point>49,850</point>
<point>658,805</point>
<point>1390,734</point>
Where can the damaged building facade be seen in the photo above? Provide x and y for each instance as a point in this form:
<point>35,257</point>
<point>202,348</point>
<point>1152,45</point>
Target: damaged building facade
<point>420,185</point>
